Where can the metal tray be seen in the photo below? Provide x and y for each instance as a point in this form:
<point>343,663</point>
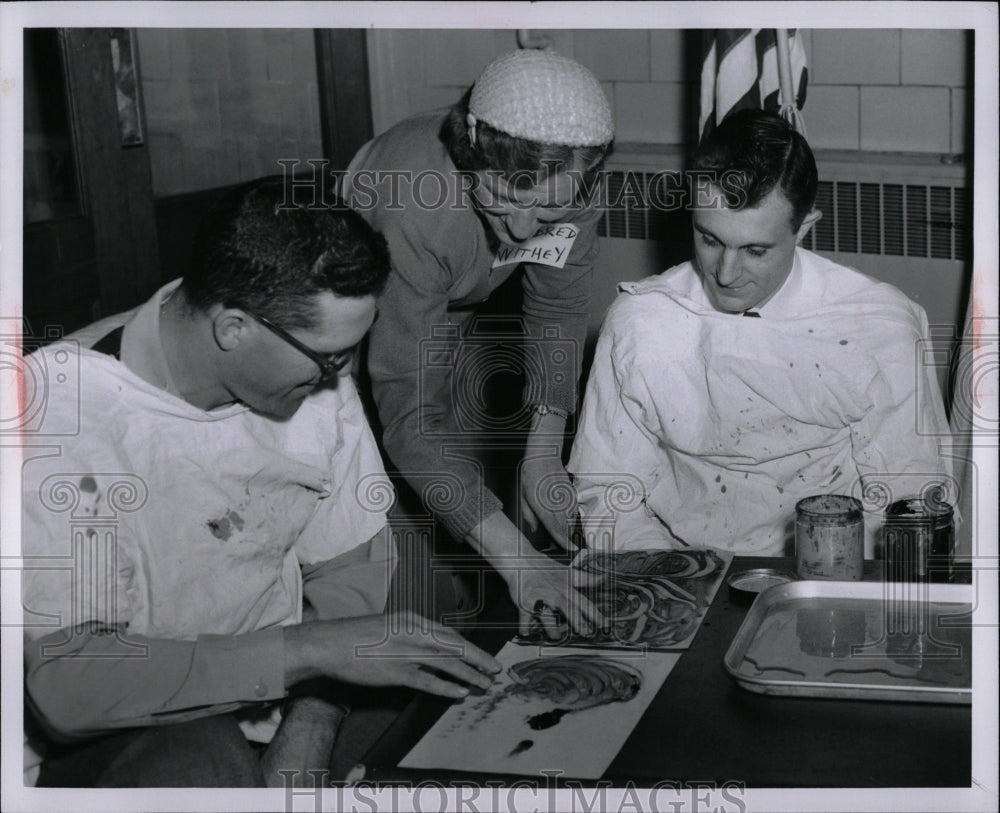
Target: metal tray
<point>882,640</point>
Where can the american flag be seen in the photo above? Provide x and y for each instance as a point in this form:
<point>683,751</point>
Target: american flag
<point>740,69</point>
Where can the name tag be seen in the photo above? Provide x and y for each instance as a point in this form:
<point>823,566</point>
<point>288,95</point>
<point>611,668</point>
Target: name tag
<point>550,245</point>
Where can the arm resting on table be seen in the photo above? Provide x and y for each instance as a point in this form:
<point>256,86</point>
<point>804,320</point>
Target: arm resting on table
<point>83,683</point>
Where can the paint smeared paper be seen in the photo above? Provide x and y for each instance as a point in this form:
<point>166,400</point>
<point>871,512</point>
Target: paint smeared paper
<point>550,709</point>
<point>653,599</point>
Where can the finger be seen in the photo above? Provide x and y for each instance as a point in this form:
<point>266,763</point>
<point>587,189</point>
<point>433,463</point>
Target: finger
<point>523,622</point>
<point>461,671</point>
<point>528,517</point>
<point>586,578</point>
<point>554,623</point>
<point>445,641</point>
<point>558,529</point>
<point>428,682</point>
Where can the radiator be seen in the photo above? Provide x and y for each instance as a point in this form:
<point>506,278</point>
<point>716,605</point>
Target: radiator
<point>902,219</point>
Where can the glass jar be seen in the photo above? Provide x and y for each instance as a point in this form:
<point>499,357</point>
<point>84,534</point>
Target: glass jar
<point>919,536</point>
<point>829,537</point>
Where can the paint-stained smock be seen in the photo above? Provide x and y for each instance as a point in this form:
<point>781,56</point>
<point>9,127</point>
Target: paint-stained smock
<point>713,425</point>
<point>177,540</point>
<point>426,370</point>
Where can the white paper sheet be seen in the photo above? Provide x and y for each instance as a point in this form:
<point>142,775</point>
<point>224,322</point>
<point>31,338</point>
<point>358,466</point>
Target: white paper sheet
<point>551,709</point>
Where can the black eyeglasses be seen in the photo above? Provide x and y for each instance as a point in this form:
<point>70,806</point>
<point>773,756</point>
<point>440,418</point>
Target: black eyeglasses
<point>329,366</point>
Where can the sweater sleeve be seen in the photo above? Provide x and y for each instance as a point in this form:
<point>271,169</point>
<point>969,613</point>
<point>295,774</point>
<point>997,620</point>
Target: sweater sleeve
<point>556,314</point>
<point>412,351</point>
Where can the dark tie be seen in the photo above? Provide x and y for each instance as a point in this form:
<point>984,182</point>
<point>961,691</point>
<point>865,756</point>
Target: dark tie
<point>751,313</point>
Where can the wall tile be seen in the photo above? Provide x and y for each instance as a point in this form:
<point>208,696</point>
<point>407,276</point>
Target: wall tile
<point>200,53</point>
<point>165,158</point>
<point>831,116</point>
<point>404,50</point>
<point>303,55</point>
<point>614,55</point>
<point>278,56</point>
<point>649,112</point>
<point>208,167</point>
<point>295,113</point>
<point>561,40</point>
<point>961,139</point>
<point>908,119</point>
<point>806,35</point>
<point>246,55</point>
<point>505,39</point>
<point>274,150</point>
<point>251,165</point>
<point>315,126</point>
<point>181,105</point>
<point>934,57</point>
<point>154,53</point>
<point>666,56</point>
<point>236,107</point>
<point>457,57</point>
<point>265,102</point>
<point>855,57</point>
<point>421,99</point>
<point>609,91</point>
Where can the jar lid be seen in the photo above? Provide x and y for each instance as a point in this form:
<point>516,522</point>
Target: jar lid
<point>918,509</point>
<point>829,508</point>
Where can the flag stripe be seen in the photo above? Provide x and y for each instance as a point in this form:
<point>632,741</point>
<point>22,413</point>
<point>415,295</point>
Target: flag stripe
<point>740,70</point>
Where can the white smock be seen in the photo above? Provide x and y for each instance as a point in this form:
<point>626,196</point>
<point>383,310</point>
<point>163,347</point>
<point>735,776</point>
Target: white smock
<point>703,428</point>
<point>187,522</point>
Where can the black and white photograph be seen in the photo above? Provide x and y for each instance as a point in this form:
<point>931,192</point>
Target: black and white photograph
<point>499,406</point>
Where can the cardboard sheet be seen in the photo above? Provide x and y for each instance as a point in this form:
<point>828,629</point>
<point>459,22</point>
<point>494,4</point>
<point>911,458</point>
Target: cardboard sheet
<point>551,709</point>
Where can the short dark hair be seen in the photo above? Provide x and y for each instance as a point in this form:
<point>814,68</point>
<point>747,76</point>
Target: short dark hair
<point>512,156</point>
<point>260,249</point>
<point>757,150</point>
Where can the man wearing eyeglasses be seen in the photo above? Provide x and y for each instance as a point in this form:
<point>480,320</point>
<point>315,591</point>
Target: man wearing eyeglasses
<point>207,544</point>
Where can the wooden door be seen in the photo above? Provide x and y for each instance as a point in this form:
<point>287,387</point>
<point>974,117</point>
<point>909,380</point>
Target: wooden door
<point>90,247</point>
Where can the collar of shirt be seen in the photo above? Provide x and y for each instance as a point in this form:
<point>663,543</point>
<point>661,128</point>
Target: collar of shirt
<point>783,304</point>
<point>142,351</point>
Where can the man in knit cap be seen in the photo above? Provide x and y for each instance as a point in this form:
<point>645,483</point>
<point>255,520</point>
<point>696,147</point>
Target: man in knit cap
<point>466,197</point>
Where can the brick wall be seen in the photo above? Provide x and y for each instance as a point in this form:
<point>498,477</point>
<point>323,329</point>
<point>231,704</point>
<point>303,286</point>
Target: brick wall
<point>880,89</point>
<point>222,106</point>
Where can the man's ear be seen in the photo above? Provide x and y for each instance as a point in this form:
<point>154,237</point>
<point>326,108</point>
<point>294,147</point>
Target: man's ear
<point>808,222</point>
<point>230,326</point>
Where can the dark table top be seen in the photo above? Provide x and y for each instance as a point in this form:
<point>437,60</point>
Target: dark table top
<point>703,726</point>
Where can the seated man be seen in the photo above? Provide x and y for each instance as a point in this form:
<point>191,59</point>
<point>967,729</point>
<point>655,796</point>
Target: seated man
<point>210,533</point>
<point>701,427</point>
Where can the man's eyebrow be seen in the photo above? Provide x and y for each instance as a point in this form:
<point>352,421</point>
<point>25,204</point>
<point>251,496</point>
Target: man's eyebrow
<point>708,233</point>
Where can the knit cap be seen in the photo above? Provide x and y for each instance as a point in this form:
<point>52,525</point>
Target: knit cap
<point>543,97</point>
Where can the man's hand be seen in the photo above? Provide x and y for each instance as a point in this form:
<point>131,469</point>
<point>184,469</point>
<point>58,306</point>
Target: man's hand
<point>401,649</point>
